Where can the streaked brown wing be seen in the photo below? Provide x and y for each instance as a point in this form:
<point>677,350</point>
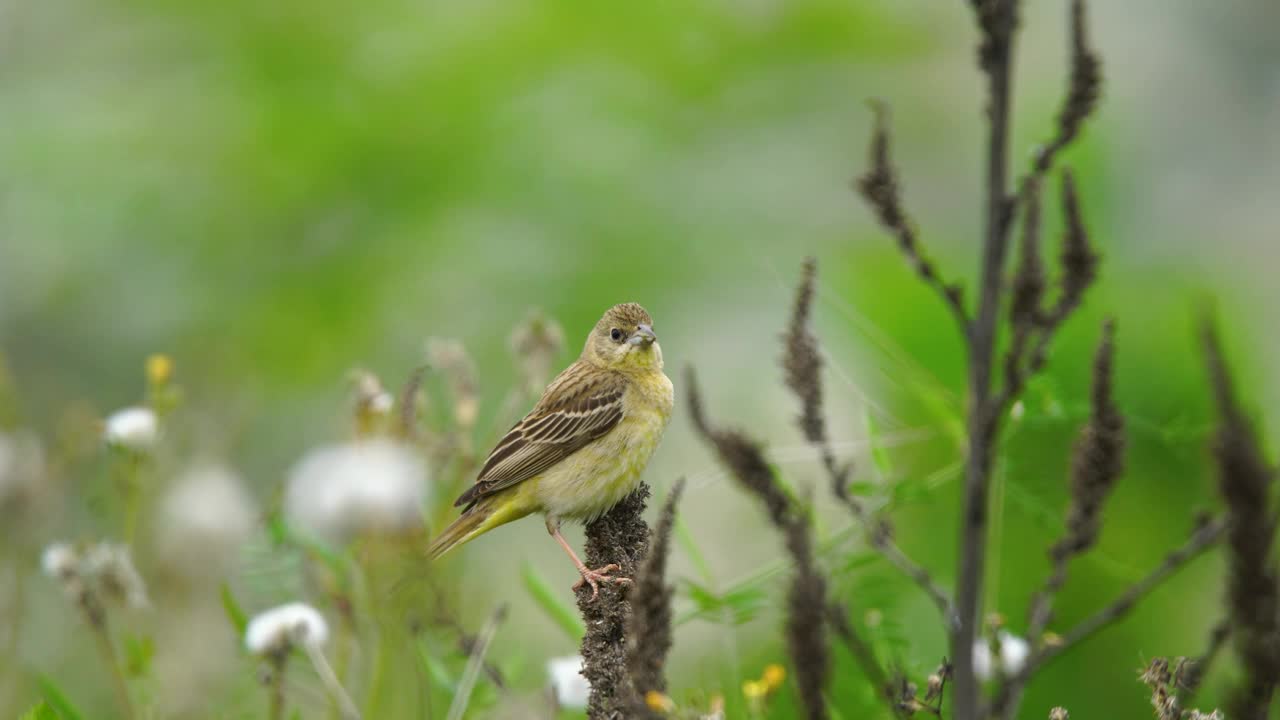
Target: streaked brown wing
<point>577,408</point>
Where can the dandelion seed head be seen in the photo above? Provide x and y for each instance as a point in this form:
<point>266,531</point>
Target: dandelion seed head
<point>281,627</point>
<point>110,567</point>
<point>133,428</point>
<point>339,491</point>
<point>567,681</point>
<point>59,561</point>
<point>205,517</point>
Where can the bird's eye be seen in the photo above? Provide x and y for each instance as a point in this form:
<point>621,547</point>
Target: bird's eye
<point>616,334</point>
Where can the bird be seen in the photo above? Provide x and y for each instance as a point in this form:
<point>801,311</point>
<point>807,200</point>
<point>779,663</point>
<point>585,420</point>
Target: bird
<point>582,447</point>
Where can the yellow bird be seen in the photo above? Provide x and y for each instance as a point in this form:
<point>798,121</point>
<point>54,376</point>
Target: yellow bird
<point>583,446</point>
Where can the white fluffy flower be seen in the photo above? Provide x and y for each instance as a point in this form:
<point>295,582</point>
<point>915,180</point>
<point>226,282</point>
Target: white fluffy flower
<point>279,628</point>
<point>111,568</point>
<point>338,491</point>
<point>104,569</point>
<point>568,682</point>
<point>135,428</point>
<point>21,464</point>
<point>204,518</point>
<point>59,561</point>
<point>1013,655</point>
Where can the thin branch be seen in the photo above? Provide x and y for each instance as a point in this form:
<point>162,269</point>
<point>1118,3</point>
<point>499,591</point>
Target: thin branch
<point>863,654</point>
<point>880,188</point>
<point>997,20</point>
<point>802,365</point>
<point>806,597</point>
<point>1204,537</point>
<point>1199,666</point>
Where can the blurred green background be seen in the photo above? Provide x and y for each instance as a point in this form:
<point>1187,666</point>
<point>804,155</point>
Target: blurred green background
<point>275,193</point>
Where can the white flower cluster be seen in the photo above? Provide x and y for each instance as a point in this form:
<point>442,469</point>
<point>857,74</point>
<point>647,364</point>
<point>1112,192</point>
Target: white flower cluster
<point>340,491</point>
<point>276,630</point>
<point>568,683</point>
<point>133,428</point>
<point>1013,655</point>
<point>205,517</point>
<point>103,569</point>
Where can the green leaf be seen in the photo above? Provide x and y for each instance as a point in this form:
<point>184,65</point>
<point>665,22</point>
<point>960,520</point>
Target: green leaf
<point>41,711</point>
<point>239,620</point>
<point>439,673</point>
<point>685,538</point>
<point>138,653</point>
<point>879,453</point>
<point>57,700</point>
<point>551,603</point>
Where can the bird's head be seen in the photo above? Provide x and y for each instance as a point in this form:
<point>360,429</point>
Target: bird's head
<point>624,340</point>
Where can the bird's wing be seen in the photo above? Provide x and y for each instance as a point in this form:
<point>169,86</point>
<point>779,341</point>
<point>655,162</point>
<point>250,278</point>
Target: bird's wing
<point>578,407</point>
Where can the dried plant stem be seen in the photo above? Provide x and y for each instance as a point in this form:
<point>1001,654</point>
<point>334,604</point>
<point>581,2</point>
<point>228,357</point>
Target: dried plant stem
<point>1218,637</point>
<point>619,536</point>
<point>983,414</point>
<point>863,654</point>
<point>802,364</point>
<point>475,664</point>
<point>330,680</point>
<point>102,638</point>
<point>899,559</point>
<point>276,688</point>
<point>1206,536</point>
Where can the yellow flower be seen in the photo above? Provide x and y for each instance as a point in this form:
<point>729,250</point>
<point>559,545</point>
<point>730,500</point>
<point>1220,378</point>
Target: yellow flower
<point>658,702</point>
<point>159,369</point>
<point>754,690</point>
<point>773,677</point>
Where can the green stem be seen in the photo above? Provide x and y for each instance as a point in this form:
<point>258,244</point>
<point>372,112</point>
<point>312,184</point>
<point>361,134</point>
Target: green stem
<point>105,648</point>
<point>276,689</point>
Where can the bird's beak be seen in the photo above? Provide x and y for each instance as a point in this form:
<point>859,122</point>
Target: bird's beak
<point>643,336</point>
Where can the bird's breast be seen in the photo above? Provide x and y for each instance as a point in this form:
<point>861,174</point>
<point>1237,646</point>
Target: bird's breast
<point>589,482</point>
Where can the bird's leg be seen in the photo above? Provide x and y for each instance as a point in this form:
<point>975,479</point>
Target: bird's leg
<point>589,576</point>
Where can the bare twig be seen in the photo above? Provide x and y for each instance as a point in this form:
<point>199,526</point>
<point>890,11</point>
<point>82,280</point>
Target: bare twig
<point>997,20</point>
<point>862,653</point>
<point>806,598</point>
<point>1199,667</point>
<point>1096,464</point>
<point>802,365</point>
<point>1204,537</point>
<point>880,187</point>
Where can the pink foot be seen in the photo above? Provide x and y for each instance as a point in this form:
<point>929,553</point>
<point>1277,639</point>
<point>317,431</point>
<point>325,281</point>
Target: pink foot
<point>595,577</point>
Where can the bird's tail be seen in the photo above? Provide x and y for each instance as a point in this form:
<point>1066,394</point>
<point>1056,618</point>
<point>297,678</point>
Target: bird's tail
<point>485,515</point>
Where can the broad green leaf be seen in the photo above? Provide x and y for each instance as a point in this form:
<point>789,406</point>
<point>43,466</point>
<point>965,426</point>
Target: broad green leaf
<point>551,603</point>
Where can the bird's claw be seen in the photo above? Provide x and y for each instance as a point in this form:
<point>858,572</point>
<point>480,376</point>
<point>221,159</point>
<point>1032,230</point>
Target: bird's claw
<point>595,577</point>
